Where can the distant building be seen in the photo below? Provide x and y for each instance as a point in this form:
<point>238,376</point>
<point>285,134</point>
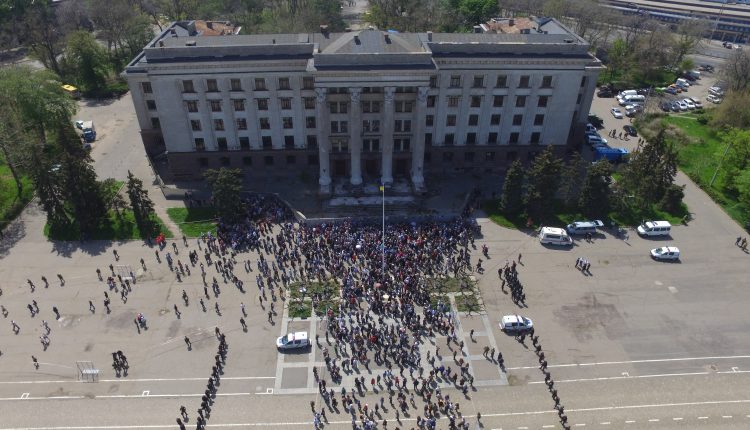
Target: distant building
<point>366,105</point>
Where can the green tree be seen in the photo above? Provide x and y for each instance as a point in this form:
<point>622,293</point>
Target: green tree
<point>87,62</point>
<point>742,184</point>
<point>736,70</point>
<point>43,33</point>
<point>142,206</point>
<point>477,11</point>
<point>651,170</point>
<point>112,197</point>
<point>733,112</point>
<point>511,202</point>
<point>542,185</point>
<point>737,158</point>
<point>571,180</point>
<point>618,57</point>
<point>49,187</point>
<point>226,186</point>
<point>595,192</point>
<point>672,199</point>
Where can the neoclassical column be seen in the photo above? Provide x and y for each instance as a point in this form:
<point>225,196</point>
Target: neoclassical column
<point>324,144</point>
<point>355,137</point>
<point>389,93</point>
<point>417,154</point>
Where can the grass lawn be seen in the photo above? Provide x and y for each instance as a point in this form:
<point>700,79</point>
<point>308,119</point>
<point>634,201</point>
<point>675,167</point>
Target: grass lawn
<point>194,221</point>
<point>451,285</point>
<point>561,218</point>
<point>468,303</point>
<point>298,309</point>
<point>113,228</point>
<point>11,203</point>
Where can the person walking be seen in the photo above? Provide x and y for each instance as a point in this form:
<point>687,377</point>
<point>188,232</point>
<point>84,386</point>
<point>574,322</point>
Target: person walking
<point>188,343</point>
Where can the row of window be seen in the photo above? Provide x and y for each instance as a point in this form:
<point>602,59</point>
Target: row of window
<point>212,85</point>
<point>244,141</point>
<point>492,138</point>
<point>501,81</point>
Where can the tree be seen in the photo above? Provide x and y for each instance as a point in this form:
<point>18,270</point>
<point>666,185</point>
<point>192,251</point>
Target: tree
<point>43,33</point>
<point>594,201</point>
<point>737,158</point>
<point>571,180</point>
<point>742,183</point>
<point>477,11</point>
<point>651,169</point>
<point>49,188</point>
<point>226,186</point>
<point>733,112</point>
<point>112,197</point>
<point>511,202</point>
<point>142,206</point>
<point>542,185</point>
<point>687,39</point>
<point>736,70</point>
<point>86,61</point>
<point>618,57</point>
<point>672,199</point>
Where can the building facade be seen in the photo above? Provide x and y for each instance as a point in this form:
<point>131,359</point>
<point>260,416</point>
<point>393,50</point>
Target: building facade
<point>366,105</point>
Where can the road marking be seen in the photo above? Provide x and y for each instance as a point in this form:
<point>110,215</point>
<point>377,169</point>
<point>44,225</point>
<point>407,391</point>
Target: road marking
<point>145,393</point>
<point>65,381</point>
<point>548,426</point>
<point>677,419</point>
<point>629,422</point>
<point>605,423</point>
<point>654,420</point>
<point>726,416</point>
<point>625,374</point>
<point>672,289</point>
<point>25,395</point>
<point>702,418</point>
<point>579,425</point>
<point>523,428</point>
<point>660,360</point>
<point>607,378</point>
<point>734,369</point>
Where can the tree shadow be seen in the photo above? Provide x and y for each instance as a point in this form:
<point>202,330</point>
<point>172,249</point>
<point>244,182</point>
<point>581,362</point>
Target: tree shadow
<point>12,234</point>
<point>91,247</point>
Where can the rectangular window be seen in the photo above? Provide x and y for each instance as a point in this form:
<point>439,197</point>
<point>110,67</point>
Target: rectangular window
<point>310,122</point>
<point>200,144</point>
<point>473,120</point>
<point>468,156</point>
<point>502,81</point>
<point>471,138</point>
<point>245,144</point>
<point>146,87</point>
<point>455,81</point>
<point>241,124</point>
<point>192,105</point>
<point>375,107</point>
<point>539,119</point>
<point>450,138</point>
<point>546,82</point>
<point>235,84</point>
<point>291,159</point>
<point>247,161</point>
<point>478,81</point>
<point>195,125</point>
<point>150,105</point>
<point>287,122</point>
<point>450,121</point>
<point>433,81</point>
<point>542,101</point>
<point>267,142</point>
<point>511,155</point>
<point>431,101</point>
<point>286,103</point>
<point>265,123</point>
<point>402,126</point>
<point>333,107</point>
<point>495,119</point>
<point>221,142</point>
<point>262,104</point>
<point>524,81</point>
<point>489,156</point>
<point>155,123</point>
<point>578,100</point>
<point>535,136</point>
<point>492,138</point>
<point>404,106</point>
<point>312,141</point>
<point>339,127</point>
<point>268,160</point>
<point>212,86</point>
<point>371,126</point>
<point>428,139</point>
<point>520,101</point>
<point>401,145</point>
<point>476,101</point>
<point>429,120</point>
<point>239,105</point>
<point>187,87</point>
<point>219,124</point>
<point>343,107</point>
<point>215,105</point>
<point>308,83</point>
<point>260,84</point>
<point>514,137</point>
<point>453,101</point>
<point>284,84</point>
<point>309,102</point>
<point>497,101</point>
<point>517,119</point>
<point>289,142</point>
<point>583,82</point>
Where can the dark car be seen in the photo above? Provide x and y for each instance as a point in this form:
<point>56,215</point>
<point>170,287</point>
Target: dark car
<point>666,107</point>
<point>676,107</point>
<point>596,121</point>
<point>605,92</point>
<point>629,129</point>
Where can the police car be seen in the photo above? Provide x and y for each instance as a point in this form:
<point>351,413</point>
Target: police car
<point>293,341</point>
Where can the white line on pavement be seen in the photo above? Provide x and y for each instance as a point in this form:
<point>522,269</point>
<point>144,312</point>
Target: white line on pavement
<point>659,360</point>
<point>64,381</point>
<point>607,378</point>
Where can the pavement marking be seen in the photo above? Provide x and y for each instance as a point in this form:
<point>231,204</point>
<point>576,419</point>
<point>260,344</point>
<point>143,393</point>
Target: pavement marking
<point>145,393</point>
<point>660,360</point>
<point>548,426</point>
<point>654,420</point>
<point>64,381</point>
<point>25,395</point>
<point>579,425</point>
<point>677,419</point>
<point>702,418</point>
<point>605,423</point>
<point>607,378</point>
<point>672,289</point>
<point>726,416</point>
<point>629,422</point>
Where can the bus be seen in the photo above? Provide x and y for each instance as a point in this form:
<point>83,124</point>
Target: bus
<point>73,91</point>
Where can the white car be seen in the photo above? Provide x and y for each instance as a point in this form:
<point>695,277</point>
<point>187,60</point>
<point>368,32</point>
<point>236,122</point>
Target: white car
<point>689,103</point>
<point>616,112</point>
<point>293,341</point>
<point>714,99</point>
<point>515,324</point>
<point>665,253</point>
<point>683,106</point>
<point>697,103</point>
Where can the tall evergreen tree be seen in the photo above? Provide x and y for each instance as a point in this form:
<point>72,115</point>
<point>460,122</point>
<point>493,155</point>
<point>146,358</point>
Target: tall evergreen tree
<point>571,180</point>
<point>49,188</point>
<point>143,207</point>
<point>511,202</point>
<point>542,185</point>
<point>651,169</point>
<point>226,186</point>
<point>594,201</point>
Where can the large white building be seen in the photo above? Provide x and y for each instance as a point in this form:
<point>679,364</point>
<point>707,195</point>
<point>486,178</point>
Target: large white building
<point>366,104</point>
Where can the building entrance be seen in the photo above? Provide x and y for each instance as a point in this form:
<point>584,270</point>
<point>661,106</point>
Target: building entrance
<point>339,167</point>
<point>402,166</point>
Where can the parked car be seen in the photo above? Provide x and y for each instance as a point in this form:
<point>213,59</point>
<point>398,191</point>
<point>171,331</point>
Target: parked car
<point>714,99</point>
<point>629,129</point>
<point>554,236</point>
<point>596,121</point>
<point>605,93</point>
<point>665,253</point>
<point>689,103</point>
<point>590,128</point>
<point>515,324</point>
<point>617,113</point>
<point>676,106</point>
<point>293,341</point>
<point>672,90</point>
<point>683,106</point>
<point>666,106</point>
<point>696,102</point>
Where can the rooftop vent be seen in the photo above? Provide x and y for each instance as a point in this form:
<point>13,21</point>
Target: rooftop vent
<point>511,22</point>
<point>190,43</point>
<point>387,37</point>
<point>161,43</point>
<point>477,29</point>
<point>273,41</point>
<point>429,36</point>
<point>173,32</point>
<point>525,31</point>
<point>324,29</point>
<point>568,40</point>
<point>356,39</point>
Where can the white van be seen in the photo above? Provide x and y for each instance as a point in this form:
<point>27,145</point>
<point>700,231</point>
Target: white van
<point>682,83</point>
<point>655,228</point>
<point>554,236</point>
<point>627,93</point>
<point>583,227</point>
<point>629,100</point>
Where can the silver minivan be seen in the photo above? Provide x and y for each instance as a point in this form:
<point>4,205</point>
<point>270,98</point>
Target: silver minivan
<point>583,227</point>
<point>655,228</point>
